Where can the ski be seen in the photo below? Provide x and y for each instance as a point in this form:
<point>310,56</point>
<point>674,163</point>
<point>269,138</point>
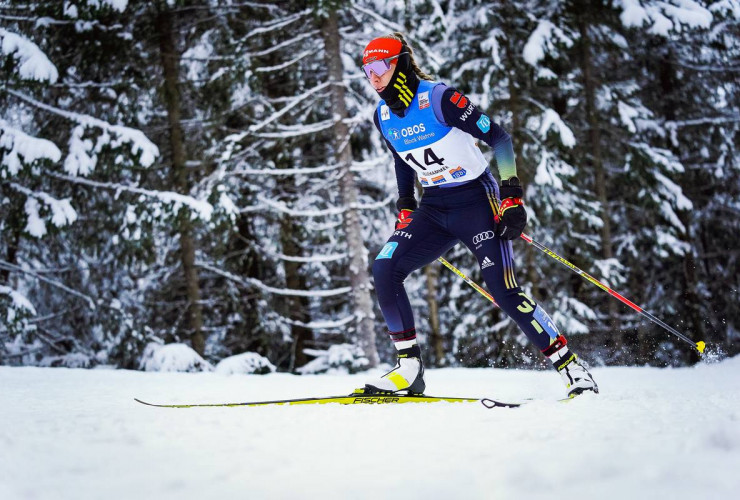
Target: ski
<point>351,399</point>
<point>357,397</point>
<point>490,403</point>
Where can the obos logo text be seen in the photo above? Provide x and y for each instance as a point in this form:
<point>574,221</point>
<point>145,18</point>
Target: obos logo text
<point>407,131</point>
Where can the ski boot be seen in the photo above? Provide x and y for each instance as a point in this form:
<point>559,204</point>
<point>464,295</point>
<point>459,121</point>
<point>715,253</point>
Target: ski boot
<point>408,375</point>
<point>576,376</point>
<point>574,372</point>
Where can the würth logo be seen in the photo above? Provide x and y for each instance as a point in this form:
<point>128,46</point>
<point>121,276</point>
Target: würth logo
<point>459,100</point>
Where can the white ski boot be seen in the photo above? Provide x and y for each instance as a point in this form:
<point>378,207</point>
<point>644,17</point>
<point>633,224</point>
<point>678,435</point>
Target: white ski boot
<point>576,376</point>
<point>408,375</point>
<point>574,371</point>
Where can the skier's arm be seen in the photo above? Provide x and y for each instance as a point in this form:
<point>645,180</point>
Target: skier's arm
<point>457,111</point>
<point>405,176</point>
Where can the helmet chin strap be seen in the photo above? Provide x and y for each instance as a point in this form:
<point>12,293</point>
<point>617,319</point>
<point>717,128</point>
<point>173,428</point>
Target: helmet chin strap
<point>402,86</point>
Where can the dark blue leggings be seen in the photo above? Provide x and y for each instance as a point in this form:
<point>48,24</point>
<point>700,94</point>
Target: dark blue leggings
<point>445,217</point>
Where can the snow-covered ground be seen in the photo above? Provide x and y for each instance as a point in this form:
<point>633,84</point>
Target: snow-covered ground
<point>78,434</point>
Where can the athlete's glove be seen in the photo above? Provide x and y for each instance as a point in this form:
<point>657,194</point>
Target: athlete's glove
<point>405,207</point>
<point>404,219</point>
<point>512,217</point>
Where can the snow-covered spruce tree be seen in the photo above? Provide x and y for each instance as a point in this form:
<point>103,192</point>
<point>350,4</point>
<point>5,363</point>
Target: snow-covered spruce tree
<point>55,138</point>
<point>113,260</point>
<point>690,82</point>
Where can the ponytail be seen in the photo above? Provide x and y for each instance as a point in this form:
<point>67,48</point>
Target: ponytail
<point>397,35</point>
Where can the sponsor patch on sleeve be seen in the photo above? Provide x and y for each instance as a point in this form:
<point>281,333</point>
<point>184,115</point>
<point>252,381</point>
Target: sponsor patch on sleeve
<point>484,123</point>
<point>455,97</point>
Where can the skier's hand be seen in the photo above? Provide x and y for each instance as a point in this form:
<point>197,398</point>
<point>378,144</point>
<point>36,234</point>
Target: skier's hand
<point>512,217</point>
<point>404,219</point>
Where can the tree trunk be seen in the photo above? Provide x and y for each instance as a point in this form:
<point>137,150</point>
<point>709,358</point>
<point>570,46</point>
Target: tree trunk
<point>249,265</point>
<point>13,244</point>
<point>358,268</point>
<point>170,67</point>
<point>297,307</point>
<point>592,119</point>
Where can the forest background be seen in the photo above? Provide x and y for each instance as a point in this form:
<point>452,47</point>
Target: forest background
<point>207,173</point>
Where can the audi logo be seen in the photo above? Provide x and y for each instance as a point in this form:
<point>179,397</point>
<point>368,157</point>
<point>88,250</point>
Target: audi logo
<point>482,237</point>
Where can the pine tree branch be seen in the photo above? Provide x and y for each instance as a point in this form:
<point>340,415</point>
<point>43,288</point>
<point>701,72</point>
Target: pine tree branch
<point>281,23</point>
<point>12,267</point>
<point>282,208</point>
<point>253,282</point>
<point>202,208</point>
<point>714,120</point>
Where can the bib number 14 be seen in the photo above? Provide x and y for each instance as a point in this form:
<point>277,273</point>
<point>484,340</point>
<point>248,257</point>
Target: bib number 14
<point>429,159</point>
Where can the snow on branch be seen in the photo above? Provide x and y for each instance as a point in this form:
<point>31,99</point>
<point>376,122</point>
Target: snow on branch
<point>320,325</point>
<point>311,259</point>
<point>79,160</point>
<point>727,7</point>
<point>297,130</point>
<point>18,144</point>
<point>32,62</point>
<point>714,120</point>
<point>202,208</point>
<point>542,40</point>
<point>281,23</point>
<point>548,120</point>
<point>295,101</point>
<point>62,213</point>
<point>306,260</point>
<point>662,17</point>
<point>252,282</point>
<point>550,169</point>
<point>12,267</point>
<point>282,208</point>
<point>661,157</point>
<point>286,64</point>
<point>357,166</point>
<point>280,46</point>
<point>20,302</point>
<point>672,190</point>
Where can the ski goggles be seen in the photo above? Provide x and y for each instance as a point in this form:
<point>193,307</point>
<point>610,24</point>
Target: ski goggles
<point>381,66</point>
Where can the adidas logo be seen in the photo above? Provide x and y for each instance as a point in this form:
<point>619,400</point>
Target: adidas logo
<point>486,263</point>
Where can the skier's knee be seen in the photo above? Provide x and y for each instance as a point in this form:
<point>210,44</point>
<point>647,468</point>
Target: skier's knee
<point>387,271</point>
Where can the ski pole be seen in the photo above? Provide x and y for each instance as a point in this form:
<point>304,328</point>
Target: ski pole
<point>468,280</point>
<point>699,346</point>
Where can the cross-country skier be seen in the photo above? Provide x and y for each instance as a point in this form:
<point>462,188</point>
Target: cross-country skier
<point>433,132</point>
